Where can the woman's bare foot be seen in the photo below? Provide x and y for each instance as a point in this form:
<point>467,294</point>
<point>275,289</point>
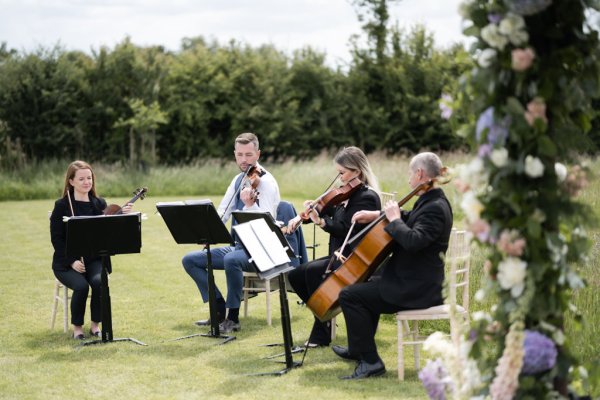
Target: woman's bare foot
<point>95,329</point>
<point>78,332</point>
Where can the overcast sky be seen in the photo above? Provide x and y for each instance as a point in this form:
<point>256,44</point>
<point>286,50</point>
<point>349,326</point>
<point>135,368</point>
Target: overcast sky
<point>288,24</point>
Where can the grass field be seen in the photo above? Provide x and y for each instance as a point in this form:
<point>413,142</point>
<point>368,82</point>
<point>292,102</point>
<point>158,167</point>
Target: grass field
<point>153,300</point>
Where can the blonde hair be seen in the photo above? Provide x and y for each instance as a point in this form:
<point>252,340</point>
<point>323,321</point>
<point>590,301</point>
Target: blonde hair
<point>354,159</point>
<point>72,170</point>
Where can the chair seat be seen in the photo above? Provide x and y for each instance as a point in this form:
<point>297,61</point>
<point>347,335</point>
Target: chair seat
<point>435,312</point>
<point>253,285</point>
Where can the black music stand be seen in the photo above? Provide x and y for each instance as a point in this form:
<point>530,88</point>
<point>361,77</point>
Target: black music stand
<point>105,236</point>
<point>247,216</point>
<point>197,222</point>
<point>269,258</point>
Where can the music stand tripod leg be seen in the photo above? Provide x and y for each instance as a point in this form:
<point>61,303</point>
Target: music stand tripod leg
<point>286,327</point>
<point>107,333</point>
<point>287,332</point>
<point>212,306</point>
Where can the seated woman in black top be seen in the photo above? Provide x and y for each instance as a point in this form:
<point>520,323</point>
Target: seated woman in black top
<point>350,162</point>
<point>78,273</point>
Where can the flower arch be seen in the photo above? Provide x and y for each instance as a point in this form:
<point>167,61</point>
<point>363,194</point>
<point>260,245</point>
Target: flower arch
<point>537,71</point>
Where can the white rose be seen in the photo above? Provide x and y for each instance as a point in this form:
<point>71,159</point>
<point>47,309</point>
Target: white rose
<point>481,316</point>
<point>471,206</point>
<point>511,275</point>
<point>561,171</point>
<point>479,295</point>
<point>437,343</point>
<point>475,166</point>
<point>491,35</point>
<point>513,27</point>
<point>472,173</point>
<point>533,167</point>
<point>499,157</point>
<point>486,57</point>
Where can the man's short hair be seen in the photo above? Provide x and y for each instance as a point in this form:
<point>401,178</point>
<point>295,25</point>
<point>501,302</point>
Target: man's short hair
<point>246,138</point>
<point>429,162</point>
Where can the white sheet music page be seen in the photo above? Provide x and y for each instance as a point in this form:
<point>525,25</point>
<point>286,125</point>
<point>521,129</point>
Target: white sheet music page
<point>270,242</point>
<point>258,253</point>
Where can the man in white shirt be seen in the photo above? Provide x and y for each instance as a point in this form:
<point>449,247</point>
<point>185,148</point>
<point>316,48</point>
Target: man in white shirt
<point>251,196</point>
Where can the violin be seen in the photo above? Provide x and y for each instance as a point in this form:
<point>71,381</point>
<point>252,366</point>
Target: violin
<point>252,179</point>
<point>113,209</point>
<point>374,247</point>
<point>332,197</point>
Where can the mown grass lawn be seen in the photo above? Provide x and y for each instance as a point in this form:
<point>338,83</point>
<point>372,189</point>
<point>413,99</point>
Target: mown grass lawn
<point>153,300</point>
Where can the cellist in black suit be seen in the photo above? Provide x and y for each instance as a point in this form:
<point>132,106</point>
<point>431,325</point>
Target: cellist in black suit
<point>413,276</point>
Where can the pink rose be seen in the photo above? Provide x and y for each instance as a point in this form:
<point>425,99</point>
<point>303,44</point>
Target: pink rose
<point>522,59</point>
<point>536,108</point>
<point>511,243</point>
<point>481,230</point>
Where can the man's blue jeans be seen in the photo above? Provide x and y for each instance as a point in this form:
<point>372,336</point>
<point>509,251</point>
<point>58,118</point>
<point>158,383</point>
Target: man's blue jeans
<point>233,260</point>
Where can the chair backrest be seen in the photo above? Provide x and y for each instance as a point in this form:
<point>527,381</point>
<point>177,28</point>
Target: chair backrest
<point>285,212</point>
<point>386,196</point>
<point>458,259</point>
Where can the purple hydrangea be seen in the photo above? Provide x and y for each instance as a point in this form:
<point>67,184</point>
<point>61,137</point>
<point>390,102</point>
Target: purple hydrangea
<point>527,7</point>
<point>484,150</point>
<point>446,106</point>
<point>494,18</point>
<point>540,353</point>
<point>435,378</point>
<point>497,131</point>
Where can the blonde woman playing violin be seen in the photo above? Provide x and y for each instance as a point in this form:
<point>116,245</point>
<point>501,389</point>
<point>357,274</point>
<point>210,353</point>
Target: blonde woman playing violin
<point>350,163</point>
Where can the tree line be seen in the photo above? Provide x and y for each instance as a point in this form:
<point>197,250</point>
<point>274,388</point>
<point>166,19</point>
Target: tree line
<point>148,105</point>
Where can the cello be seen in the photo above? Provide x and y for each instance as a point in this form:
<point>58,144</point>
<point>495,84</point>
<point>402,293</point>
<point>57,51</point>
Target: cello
<point>375,246</point>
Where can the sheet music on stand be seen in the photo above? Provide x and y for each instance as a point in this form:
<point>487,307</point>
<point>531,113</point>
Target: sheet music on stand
<point>268,251</point>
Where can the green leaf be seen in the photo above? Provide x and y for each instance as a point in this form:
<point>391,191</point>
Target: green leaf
<point>534,229</point>
<point>514,106</point>
<point>546,146</point>
<point>471,31</point>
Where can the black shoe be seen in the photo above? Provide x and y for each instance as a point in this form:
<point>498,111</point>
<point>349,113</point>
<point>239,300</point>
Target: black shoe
<point>366,370</point>
<point>206,322</point>
<point>95,334</point>
<point>229,326</point>
<point>79,337</point>
<point>203,322</point>
<point>343,352</point>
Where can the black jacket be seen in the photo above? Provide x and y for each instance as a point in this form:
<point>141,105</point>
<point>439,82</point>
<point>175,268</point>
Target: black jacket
<point>338,219</point>
<point>58,230</point>
<point>413,276</point>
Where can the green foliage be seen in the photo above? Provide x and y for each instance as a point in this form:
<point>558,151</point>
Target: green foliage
<point>538,72</point>
<point>55,102</point>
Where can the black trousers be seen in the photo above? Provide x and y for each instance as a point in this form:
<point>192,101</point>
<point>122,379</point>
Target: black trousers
<point>80,284</point>
<point>305,279</point>
<point>362,306</point>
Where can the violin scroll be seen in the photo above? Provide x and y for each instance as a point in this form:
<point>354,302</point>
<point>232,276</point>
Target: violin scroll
<point>114,209</point>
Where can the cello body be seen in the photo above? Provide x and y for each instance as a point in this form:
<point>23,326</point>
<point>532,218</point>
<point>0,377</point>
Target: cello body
<point>370,252</point>
<point>358,267</point>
